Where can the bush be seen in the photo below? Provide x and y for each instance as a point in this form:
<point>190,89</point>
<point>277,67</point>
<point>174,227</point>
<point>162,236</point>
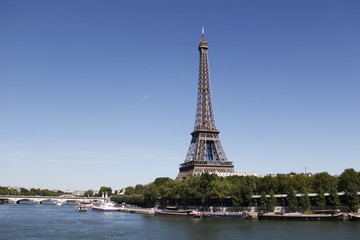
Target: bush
<point>134,199</point>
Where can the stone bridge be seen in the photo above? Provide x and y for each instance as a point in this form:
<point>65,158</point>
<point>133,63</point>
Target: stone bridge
<point>58,199</point>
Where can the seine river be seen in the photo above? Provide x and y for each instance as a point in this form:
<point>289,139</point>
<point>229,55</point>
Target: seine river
<point>63,222</point>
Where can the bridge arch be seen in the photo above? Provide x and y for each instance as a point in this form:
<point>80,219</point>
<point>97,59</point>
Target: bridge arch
<point>50,201</point>
<point>30,201</point>
<point>5,200</point>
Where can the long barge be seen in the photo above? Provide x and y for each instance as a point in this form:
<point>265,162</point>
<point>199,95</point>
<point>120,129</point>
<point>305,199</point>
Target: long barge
<point>227,215</point>
<point>174,211</point>
<point>324,215</point>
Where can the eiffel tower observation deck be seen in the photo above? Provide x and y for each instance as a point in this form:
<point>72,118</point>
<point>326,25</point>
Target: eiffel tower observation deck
<point>205,153</point>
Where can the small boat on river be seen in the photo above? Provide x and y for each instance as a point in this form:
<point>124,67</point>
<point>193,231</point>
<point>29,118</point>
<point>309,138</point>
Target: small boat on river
<point>320,215</point>
<point>173,211</point>
<point>81,207</point>
<point>105,207</point>
<point>354,217</point>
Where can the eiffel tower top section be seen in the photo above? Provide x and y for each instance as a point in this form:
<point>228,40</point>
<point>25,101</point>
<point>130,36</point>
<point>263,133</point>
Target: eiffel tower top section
<point>205,120</point>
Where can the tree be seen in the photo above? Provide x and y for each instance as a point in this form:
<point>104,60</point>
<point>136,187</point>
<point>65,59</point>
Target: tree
<point>135,199</point>
<point>247,190</point>
<point>204,186</point>
<point>304,201</point>
<point>292,200</point>
<point>105,190</point>
<point>161,181</point>
<point>139,189</point>
<point>189,192</point>
<point>284,183</point>
<point>46,192</point>
<point>236,190</point>
<point>129,191</point>
<point>300,182</point>
<point>271,201</point>
<point>324,181</point>
<point>321,200</point>
<point>264,202</point>
<point>35,192</point>
<point>220,189</point>
<point>349,179</point>
<point>170,191</point>
<point>150,195</point>
<point>333,199</point>
<point>89,193</point>
<point>24,192</point>
<point>352,198</point>
<point>5,191</point>
<point>267,183</point>
<point>59,192</point>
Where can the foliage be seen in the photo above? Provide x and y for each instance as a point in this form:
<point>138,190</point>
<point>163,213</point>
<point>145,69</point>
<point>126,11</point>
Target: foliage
<point>304,201</point>
<point>204,186</point>
<point>31,192</point>
<point>237,191</point>
<point>271,202</point>
<point>150,195</point>
<point>333,199</point>
<point>234,191</point>
<point>264,202</point>
<point>320,199</point>
<point>266,183</point>
<point>89,193</point>
<point>129,191</point>
<point>220,190</point>
<point>324,181</point>
<point>8,191</point>
<point>352,198</point>
<point>349,180</point>
<point>292,200</point>
<point>284,183</point>
<point>135,199</point>
<point>300,183</point>
<point>104,190</point>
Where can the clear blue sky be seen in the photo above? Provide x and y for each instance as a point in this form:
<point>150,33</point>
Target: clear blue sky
<point>103,93</point>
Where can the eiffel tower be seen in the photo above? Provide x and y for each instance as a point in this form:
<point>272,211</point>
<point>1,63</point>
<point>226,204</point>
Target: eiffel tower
<point>205,153</point>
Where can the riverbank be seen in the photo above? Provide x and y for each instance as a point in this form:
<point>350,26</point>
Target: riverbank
<point>253,215</point>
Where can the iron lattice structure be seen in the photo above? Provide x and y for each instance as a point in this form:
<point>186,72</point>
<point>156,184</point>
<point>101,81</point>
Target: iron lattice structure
<point>205,153</point>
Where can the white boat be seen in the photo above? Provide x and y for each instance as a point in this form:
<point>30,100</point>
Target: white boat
<point>174,211</point>
<point>81,207</point>
<point>104,206</point>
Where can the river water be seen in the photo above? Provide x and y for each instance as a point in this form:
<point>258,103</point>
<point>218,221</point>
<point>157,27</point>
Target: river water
<point>63,222</point>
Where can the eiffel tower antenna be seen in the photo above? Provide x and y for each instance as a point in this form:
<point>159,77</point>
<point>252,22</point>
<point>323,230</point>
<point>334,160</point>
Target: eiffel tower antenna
<point>203,33</point>
<point>205,153</point>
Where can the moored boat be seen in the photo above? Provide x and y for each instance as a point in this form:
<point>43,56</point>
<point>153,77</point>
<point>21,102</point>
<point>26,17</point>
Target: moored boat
<point>81,207</point>
<point>176,212</point>
<point>243,215</point>
<point>354,217</point>
<point>316,216</point>
<point>105,206</point>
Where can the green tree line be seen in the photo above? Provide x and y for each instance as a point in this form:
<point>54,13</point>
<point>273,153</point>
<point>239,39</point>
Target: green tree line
<point>238,191</point>
<point>31,192</point>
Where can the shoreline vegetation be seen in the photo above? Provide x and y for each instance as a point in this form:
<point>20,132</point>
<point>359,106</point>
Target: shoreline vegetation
<point>208,192</point>
<point>295,193</point>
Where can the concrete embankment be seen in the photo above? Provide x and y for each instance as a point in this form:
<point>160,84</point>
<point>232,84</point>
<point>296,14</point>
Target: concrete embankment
<point>151,211</point>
